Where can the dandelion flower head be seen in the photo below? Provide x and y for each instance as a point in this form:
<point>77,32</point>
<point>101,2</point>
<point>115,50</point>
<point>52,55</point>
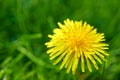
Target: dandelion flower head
<point>77,42</point>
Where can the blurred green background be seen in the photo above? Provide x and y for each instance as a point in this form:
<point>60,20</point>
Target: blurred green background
<point>25,24</point>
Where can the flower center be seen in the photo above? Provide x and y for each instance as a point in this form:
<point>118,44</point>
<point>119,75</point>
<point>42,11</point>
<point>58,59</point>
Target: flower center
<point>77,42</point>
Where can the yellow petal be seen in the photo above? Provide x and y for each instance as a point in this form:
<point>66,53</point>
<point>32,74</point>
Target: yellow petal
<point>93,61</point>
<point>82,63</point>
<point>68,61</point>
<point>65,59</point>
<point>88,63</point>
<point>70,65</point>
<point>103,52</point>
<point>55,54</point>
<point>60,57</point>
<point>75,64</point>
<point>100,55</point>
<point>98,59</point>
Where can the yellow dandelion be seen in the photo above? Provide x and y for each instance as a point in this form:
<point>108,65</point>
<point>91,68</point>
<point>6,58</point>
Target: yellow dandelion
<point>76,42</point>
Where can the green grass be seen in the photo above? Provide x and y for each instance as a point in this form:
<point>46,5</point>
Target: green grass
<point>25,24</point>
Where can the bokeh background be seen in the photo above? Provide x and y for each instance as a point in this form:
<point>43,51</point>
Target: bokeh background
<point>25,24</point>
